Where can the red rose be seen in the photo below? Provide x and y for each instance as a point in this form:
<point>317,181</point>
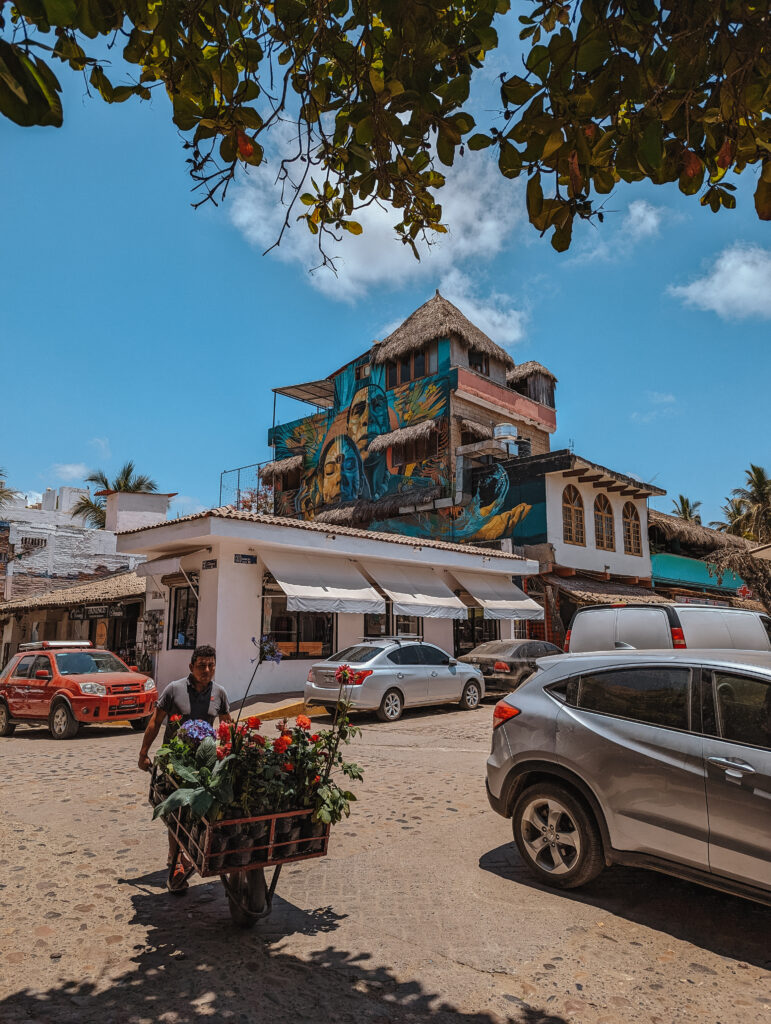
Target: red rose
<point>224,731</point>
<point>317,780</point>
<point>176,718</point>
<point>288,767</point>
<point>303,722</point>
<point>259,740</point>
<point>221,755</point>
<point>253,722</point>
<point>281,745</point>
<point>315,738</point>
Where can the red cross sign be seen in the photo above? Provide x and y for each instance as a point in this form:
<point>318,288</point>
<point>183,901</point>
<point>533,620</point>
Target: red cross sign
<point>744,592</point>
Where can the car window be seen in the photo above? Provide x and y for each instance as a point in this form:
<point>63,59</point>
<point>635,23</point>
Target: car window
<point>408,654</point>
<point>432,655</point>
<point>744,709</point>
<point>547,649</point>
<point>76,663</point>
<point>766,623</point>
<point>357,655</point>
<point>22,669</point>
<point>42,664</point>
<point>654,696</point>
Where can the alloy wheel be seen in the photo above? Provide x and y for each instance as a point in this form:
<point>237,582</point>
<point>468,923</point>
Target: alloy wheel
<point>392,706</point>
<point>60,720</point>
<point>472,695</point>
<point>550,835</point>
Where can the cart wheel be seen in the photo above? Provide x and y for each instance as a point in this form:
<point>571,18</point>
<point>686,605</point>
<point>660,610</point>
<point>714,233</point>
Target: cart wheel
<point>247,896</point>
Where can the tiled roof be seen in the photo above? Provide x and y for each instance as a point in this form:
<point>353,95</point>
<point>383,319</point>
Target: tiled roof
<point>228,512</point>
<point>110,588</point>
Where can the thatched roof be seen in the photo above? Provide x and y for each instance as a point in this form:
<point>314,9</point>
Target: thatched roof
<point>362,512</point>
<point>528,369</point>
<point>689,532</point>
<point>436,319</point>
<point>116,587</point>
<point>480,430</point>
<point>414,432</point>
<point>274,469</point>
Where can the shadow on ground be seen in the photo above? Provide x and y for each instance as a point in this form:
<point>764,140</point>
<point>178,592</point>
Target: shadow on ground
<point>711,920</point>
<point>195,968</point>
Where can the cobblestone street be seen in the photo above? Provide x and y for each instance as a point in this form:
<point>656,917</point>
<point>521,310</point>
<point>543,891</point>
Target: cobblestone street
<point>421,912</point>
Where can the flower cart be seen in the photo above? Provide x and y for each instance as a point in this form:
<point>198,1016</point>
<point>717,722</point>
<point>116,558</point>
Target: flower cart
<point>238,803</point>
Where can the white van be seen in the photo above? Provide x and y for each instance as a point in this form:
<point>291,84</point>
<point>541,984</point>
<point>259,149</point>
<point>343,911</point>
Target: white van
<point>658,626</point>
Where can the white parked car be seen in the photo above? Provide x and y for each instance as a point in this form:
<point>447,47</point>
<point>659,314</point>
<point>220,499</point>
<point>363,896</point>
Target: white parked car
<point>393,673</point>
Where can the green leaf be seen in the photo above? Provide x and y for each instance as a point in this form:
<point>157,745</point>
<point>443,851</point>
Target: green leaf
<point>376,80</point>
<point>445,148</point>
<point>763,199</point>
<point>651,145</point>
<point>538,62</point>
<point>61,12</point>
<point>365,131</point>
<point>534,194</point>
<point>517,91</point>
<point>479,141</point>
<point>591,54</point>
<point>553,143</point>
<point>353,227</point>
<point>509,160</point>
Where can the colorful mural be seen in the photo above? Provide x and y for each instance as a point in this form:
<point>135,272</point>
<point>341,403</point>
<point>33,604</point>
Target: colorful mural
<point>346,451</point>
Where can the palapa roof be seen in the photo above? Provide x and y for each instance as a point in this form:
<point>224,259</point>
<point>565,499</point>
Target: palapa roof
<point>480,429</point>
<point>528,369</point>
<point>585,590</point>
<point>414,432</point>
<point>436,319</point>
<point>689,532</point>
<point>272,469</point>
<point>110,588</point>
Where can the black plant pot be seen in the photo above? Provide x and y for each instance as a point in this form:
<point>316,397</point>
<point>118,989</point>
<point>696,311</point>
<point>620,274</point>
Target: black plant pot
<point>313,835</point>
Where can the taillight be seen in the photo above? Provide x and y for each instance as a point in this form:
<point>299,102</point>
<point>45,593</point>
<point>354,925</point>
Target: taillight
<point>501,666</point>
<point>359,677</point>
<point>310,676</point>
<point>567,641</point>
<point>678,640</point>
<point>502,712</point>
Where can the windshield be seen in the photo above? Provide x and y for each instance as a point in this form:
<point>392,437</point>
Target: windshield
<point>357,655</point>
<point>493,648</point>
<point>77,663</point>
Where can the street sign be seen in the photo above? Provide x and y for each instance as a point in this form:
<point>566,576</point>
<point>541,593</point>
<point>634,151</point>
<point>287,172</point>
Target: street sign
<point>245,559</point>
<point>209,563</point>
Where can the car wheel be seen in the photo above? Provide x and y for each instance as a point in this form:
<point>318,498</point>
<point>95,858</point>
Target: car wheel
<point>391,707</point>
<point>472,695</point>
<point>7,727</point>
<point>557,836</point>
<point>139,724</point>
<point>62,723</point>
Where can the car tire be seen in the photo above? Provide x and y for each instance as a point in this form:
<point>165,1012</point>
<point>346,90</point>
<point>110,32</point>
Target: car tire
<point>546,813</point>
<point>7,727</point>
<point>62,724</point>
<point>472,696</point>
<point>391,706</point>
<point>140,724</point>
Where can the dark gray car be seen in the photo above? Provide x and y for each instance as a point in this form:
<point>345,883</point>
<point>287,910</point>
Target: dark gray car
<point>506,663</point>
<point>658,759</point>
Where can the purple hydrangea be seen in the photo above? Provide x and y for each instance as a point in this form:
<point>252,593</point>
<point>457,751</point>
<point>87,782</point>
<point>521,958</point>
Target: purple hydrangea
<point>195,731</point>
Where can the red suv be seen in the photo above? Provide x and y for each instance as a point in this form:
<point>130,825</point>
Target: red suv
<point>70,684</point>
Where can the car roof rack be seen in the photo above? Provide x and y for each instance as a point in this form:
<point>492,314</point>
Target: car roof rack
<point>394,639</point>
<point>53,645</point>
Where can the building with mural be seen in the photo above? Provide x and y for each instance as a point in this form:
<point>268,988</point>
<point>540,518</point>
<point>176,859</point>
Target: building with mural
<point>399,431</point>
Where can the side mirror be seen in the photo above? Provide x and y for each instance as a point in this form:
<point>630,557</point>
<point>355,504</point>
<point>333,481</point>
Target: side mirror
<point>452,661</point>
<point>133,668</point>
<point>42,674</point>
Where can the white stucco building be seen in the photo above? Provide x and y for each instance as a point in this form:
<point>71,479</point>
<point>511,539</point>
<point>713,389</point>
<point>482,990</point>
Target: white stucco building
<point>229,576</point>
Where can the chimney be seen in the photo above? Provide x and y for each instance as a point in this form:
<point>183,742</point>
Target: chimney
<point>132,510</point>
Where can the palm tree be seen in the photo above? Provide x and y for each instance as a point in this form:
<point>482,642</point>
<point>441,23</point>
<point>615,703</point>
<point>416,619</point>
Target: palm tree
<point>127,479</point>
<point>684,508</point>
<point>7,493</point>
<point>733,511</point>
<point>755,501</point>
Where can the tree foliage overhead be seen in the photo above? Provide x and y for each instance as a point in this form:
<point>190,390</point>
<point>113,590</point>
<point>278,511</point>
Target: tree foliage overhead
<point>686,509</point>
<point>376,94</point>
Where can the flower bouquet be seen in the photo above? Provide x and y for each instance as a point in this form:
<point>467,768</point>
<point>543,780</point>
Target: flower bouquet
<point>238,797</point>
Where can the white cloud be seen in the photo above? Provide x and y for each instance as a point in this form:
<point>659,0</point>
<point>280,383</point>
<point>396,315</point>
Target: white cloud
<point>102,445</point>
<point>642,220</point>
<point>736,287</point>
<point>185,505</point>
<point>495,314</point>
<point>70,471</point>
<point>480,211</point>
<point>659,404</point>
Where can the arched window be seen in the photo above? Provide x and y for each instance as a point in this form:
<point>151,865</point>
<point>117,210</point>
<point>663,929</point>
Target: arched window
<point>603,524</point>
<point>572,516</point>
<point>632,535</point>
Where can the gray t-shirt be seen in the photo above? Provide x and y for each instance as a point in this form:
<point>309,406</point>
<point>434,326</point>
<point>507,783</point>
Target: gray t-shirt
<point>182,698</point>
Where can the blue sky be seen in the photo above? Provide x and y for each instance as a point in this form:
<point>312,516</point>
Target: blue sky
<point>133,326</point>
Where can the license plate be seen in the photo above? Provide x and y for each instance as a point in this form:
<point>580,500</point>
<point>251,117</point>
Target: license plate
<point>126,700</point>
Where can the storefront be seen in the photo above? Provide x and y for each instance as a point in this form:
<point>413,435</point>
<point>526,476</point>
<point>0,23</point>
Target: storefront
<point>228,577</point>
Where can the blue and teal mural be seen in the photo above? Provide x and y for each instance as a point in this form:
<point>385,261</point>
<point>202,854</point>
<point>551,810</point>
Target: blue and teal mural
<point>348,451</point>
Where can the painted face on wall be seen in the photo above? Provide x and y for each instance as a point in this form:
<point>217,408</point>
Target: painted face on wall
<point>341,476</point>
<point>367,416</point>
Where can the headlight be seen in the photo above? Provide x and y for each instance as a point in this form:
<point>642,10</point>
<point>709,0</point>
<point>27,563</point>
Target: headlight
<point>95,689</point>
<point>149,684</point>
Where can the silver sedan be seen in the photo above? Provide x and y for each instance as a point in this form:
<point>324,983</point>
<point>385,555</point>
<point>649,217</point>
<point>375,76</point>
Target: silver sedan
<point>390,674</point>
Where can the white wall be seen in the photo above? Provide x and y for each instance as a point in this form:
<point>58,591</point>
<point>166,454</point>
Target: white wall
<point>588,556</point>
<point>439,632</point>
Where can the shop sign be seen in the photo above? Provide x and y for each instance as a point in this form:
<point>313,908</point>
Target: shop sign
<point>98,611</point>
<point>209,563</point>
<point>77,614</point>
<point>245,559</point>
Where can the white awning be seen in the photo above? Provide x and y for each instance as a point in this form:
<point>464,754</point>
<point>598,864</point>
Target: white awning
<point>416,590</point>
<point>314,584</point>
<point>158,567</point>
<point>498,596</point>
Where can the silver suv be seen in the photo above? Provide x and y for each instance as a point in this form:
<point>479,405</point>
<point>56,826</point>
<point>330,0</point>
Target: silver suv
<point>392,673</point>
<point>657,759</point>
